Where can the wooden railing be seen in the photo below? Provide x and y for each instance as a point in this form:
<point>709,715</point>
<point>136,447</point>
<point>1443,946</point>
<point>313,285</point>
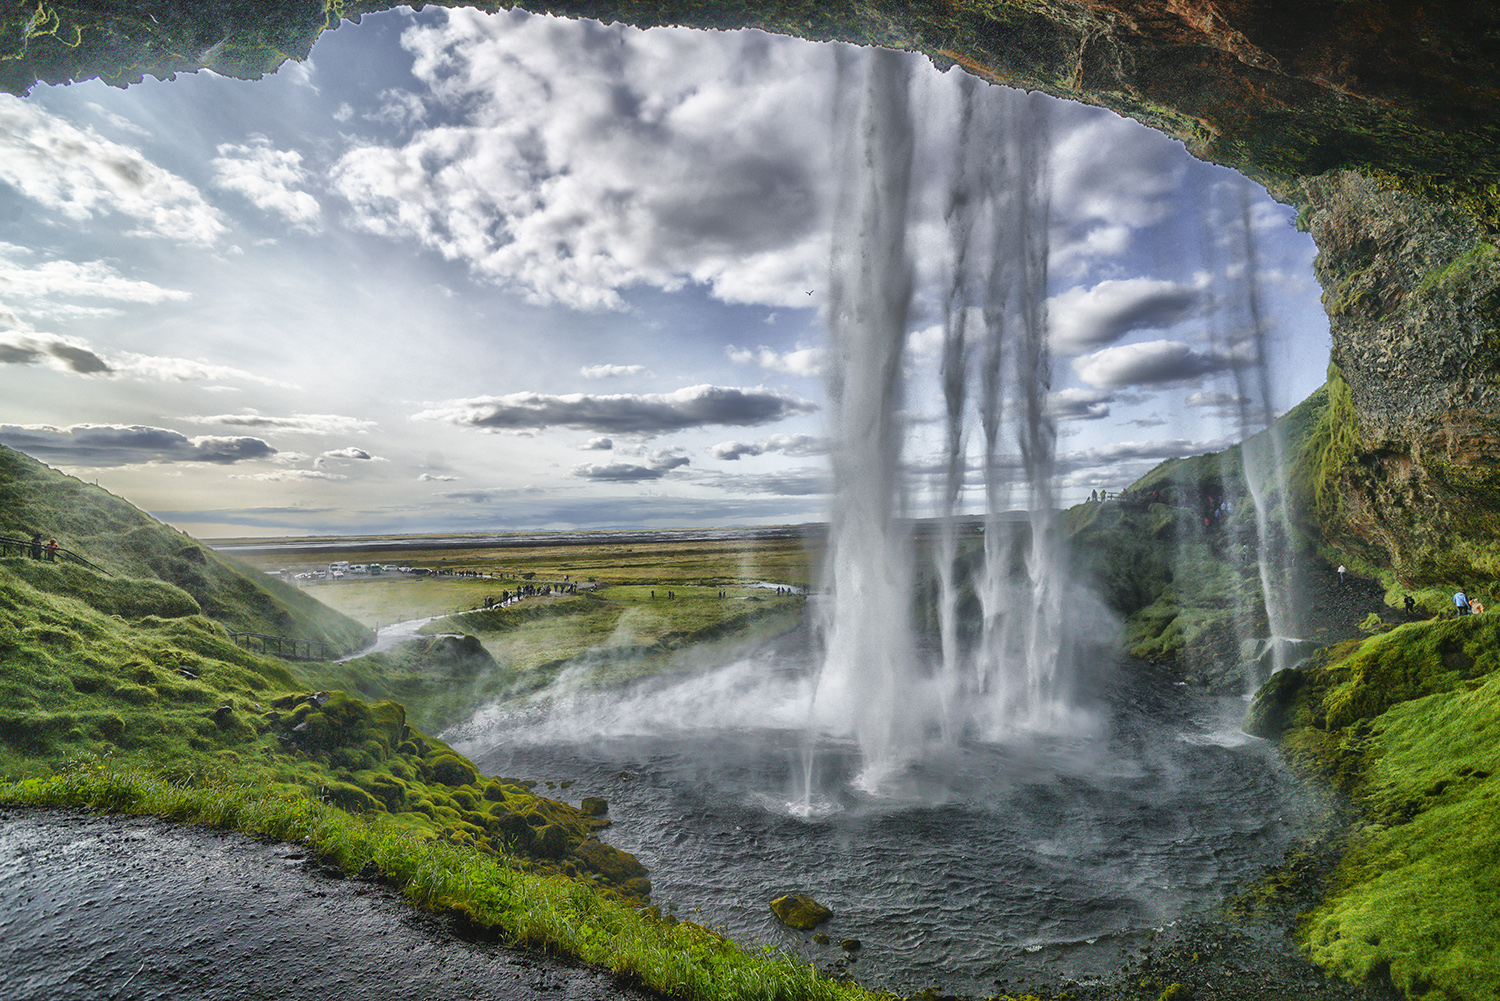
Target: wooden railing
<point>284,647</point>
<point>10,546</point>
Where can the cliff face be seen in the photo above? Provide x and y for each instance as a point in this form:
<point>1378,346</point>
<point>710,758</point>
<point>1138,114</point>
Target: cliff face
<point>1379,118</point>
<point>1412,289</point>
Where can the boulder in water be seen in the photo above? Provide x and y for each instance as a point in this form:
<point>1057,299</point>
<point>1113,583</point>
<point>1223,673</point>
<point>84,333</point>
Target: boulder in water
<point>799,911</point>
<point>1270,712</point>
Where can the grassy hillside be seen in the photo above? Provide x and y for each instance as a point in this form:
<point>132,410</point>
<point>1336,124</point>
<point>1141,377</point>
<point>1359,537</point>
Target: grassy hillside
<point>1407,725</point>
<point>127,542</point>
<point>1183,571</point>
<point>119,693</point>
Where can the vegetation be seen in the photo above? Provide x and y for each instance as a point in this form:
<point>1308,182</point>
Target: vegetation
<point>620,634</point>
<point>127,542</point>
<point>1407,724</point>
<point>562,916</point>
<point>1181,569</point>
<point>118,693</point>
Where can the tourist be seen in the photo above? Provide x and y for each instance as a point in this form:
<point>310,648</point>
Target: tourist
<point>1341,574</point>
<point>36,545</point>
<point>1411,606</point>
<point>52,551</point>
<point>1461,602</point>
<point>1476,607</point>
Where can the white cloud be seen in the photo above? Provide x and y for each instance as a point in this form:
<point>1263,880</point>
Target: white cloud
<point>102,445</point>
<point>435,478</point>
<point>1078,405</point>
<point>787,444</point>
<point>75,355</point>
<point>91,279</point>
<point>350,453</point>
<point>657,465</point>
<point>610,371</point>
<point>182,370</point>
<point>1085,318</point>
<point>654,413</point>
<point>1150,363</point>
<point>84,176</point>
<point>293,424</point>
<point>802,361</point>
<point>598,445</point>
<point>270,178</point>
<point>579,160</point>
<point>1107,169</point>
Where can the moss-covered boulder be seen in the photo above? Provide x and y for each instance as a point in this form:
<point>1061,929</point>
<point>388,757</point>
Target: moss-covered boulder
<point>799,911</point>
<point>1271,710</point>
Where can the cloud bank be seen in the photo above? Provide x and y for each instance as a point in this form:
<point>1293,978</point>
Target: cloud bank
<point>656,413</point>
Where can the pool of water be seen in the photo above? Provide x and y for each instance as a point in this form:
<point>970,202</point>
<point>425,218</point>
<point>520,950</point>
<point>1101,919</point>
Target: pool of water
<point>1041,858</point>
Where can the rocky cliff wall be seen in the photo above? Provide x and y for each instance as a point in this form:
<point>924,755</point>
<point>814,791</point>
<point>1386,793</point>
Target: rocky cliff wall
<point>1412,290</point>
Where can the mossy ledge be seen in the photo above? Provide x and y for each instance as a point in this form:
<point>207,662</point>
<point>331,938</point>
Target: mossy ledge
<point>1406,724</point>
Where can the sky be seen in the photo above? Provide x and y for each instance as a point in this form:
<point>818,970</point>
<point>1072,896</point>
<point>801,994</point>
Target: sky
<point>487,272</point>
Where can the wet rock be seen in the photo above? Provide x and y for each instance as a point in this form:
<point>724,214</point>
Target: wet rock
<point>820,938</point>
<point>1270,713</point>
<point>615,865</point>
<point>799,911</point>
<point>593,806</point>
<point>551,841</point>
<point>224,715</point>
<point>1176,992</point>
<point>850,945</point>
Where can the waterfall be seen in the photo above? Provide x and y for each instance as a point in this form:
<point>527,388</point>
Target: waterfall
<point>1012,670</point>
<point>1265,467</point>
<point>870,651</point>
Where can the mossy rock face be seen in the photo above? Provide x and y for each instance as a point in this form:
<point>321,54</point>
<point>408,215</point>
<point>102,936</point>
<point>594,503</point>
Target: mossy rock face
<point>452,770</point>
<point>350,797</point>
<point>1271,710</point>
<point>551,841</point>
<point>799,911</point>
<point>593,806</point>
<point>1410,662</point>
<point>612,863</point>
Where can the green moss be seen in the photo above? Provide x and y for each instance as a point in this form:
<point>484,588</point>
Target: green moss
<point>1410,662</point>
<point>1475,265</point>
<point>135,548</point>
<point>1415,897</point>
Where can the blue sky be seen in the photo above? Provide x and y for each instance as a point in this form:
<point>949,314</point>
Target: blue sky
<point>461,271</point>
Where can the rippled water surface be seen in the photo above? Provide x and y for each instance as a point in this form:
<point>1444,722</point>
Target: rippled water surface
<point>1043,857</point>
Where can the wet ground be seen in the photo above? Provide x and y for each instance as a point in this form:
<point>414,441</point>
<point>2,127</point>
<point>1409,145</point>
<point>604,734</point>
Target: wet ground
<point>111,908</point>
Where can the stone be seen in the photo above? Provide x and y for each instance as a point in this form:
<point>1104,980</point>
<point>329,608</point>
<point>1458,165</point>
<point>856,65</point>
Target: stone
<point>850,945</point>
<point>593,806</point>
<point>1271,710</point>
<point>799,911</point>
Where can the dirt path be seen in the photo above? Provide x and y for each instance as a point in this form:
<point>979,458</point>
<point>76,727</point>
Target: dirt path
<point>112,908</point>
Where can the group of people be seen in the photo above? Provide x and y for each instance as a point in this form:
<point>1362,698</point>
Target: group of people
<point>530,591</point>
<point>40,551</point>
<point>1465,605</point>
